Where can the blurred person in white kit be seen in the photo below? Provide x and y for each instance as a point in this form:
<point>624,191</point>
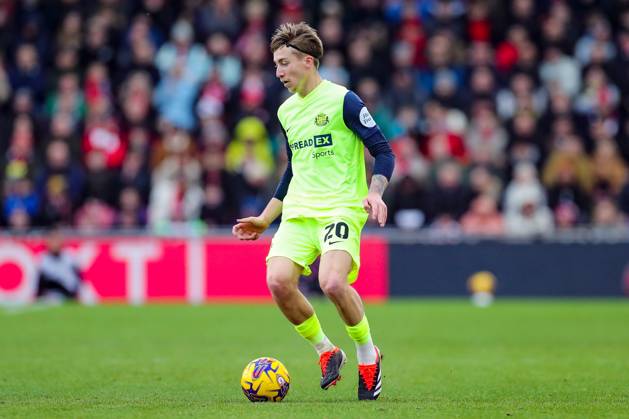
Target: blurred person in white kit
<point>58,274</point>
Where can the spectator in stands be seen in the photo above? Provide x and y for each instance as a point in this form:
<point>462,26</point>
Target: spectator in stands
<point>598,96</point>
<point>61,184</point>
<point>490,85</point>
<point>560,71</point>
<point>610,171</point>
<point>227,66</point>
<point>20,159</point>
<point>131,211</point>
<point>483,181</point>
<point>176,193</point>
<point>21,203</point>
<point>223,189</point>
<point>249,154</point>
<point>521,96</point>
<point>27,73</point>
<point>183,66</point>
<point>483,218</point>
<point>407,204</point>
<point>606,217</point>
<point>486,139</point>
<point>568,198</point>
<point>94,216</point>
<point>526,212</point>
<point>598,34</point>
<point>449,197</point>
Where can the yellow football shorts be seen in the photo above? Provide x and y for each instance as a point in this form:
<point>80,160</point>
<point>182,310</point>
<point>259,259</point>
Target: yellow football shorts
<point>303,239</point>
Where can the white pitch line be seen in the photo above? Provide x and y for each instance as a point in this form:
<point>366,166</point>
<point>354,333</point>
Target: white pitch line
<point>25,309</point>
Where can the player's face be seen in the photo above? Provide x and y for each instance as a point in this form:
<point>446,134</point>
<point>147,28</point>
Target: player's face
<point>291,68</point>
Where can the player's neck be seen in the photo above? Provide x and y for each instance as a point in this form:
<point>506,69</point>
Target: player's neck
<point>310,83</point>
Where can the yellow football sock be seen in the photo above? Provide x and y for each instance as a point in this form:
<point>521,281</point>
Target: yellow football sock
<point>311,330</point>
<point>359,333</point>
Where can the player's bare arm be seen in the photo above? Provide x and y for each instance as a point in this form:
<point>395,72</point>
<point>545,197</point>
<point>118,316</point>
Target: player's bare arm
<point>250,228</point>
<point>373,203</point>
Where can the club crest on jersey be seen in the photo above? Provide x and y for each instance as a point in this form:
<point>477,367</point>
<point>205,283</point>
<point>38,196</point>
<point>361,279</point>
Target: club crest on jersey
<point>321,120</point>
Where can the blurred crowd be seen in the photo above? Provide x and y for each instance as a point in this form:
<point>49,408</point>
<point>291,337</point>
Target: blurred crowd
<point>506,117</point>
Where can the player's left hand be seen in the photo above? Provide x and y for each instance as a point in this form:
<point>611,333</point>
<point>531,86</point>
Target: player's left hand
<point>376,207</point>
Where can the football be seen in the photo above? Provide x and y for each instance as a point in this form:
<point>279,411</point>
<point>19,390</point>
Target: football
<point>265,380</point>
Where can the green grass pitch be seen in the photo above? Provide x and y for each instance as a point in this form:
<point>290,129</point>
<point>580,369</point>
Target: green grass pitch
<point>443,358</point>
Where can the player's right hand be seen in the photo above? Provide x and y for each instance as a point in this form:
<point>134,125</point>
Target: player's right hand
<point>249,228</point>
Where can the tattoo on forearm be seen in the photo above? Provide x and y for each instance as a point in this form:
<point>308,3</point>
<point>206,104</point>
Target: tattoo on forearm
<point>378,184</point>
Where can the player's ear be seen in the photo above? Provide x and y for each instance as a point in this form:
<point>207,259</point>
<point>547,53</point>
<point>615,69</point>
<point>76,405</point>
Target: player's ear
<point>310,60</point>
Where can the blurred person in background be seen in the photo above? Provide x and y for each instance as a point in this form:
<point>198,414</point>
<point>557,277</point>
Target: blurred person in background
<point>135,95</point>
<point>20,196</point>
<point>524,140</point>
<point>609,169</point>
<point>20,158</point>
<point>483,180</point>
<point>27,72</point>
<point>607,218</point>
<point>483,218</point>
<point>67,99</point>
<point>176,193</point>
<point>407,203</point>
<point>521,95</point>
<point>440,140</point>
<point>219,16</point>
<point>94,216</point>
<point>223,189</point>
<point>567,196</point>
<point>599,96</point>
<point>486,140</point>
<point>442,61</point>
<point>60,183</point>
<point>526,212</point>
<point>598,34</point>
<point>250,155</point>
<point>135,174</point>
<point>449,197</point>
<point>131,214</point>
<point>63,127</point>
<point>58,273</point>
<point>103,134</point>
<point>183,66</point>
<point>226,65</point>
<point>333,68</point>
<point>560,71</point>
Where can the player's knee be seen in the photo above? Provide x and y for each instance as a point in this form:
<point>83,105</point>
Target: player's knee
<point>334,286</point>
<point>279,284</point>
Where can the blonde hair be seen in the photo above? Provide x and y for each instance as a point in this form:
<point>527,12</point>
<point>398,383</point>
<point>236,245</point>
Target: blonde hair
<point>301,37</point>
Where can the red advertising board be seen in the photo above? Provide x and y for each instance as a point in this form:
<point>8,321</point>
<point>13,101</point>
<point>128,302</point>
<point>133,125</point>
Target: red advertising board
<point>150,269</point>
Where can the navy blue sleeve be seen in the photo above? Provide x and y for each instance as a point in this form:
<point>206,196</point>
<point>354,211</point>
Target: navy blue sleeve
<point>282,188</point>
<point>358,119</point>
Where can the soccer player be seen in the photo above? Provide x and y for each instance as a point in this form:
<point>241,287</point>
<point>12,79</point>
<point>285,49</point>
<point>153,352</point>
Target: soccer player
<point>324,202</point>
